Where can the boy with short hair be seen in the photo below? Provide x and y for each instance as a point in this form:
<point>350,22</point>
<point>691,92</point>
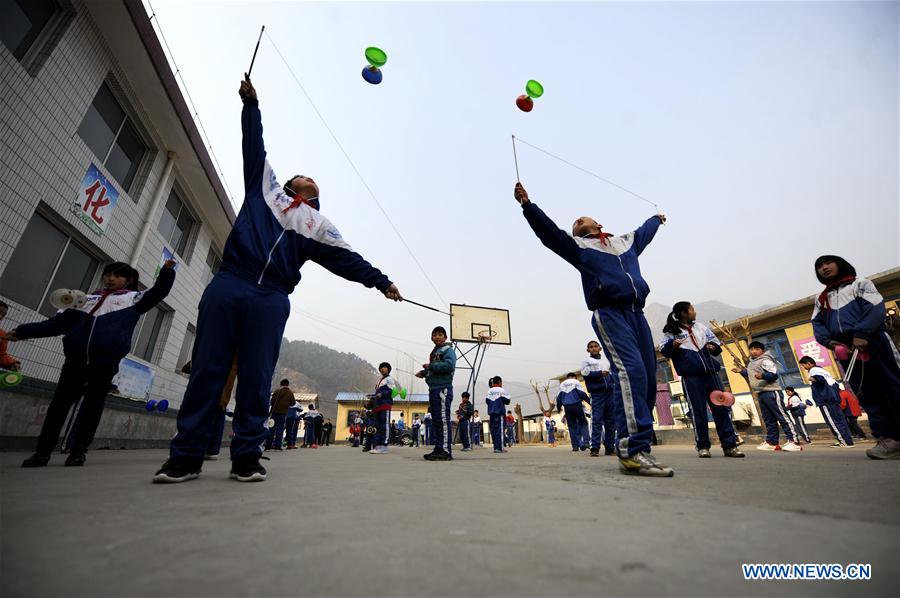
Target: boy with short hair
<point>416,429</point>
<point>497,399</point>
<point>279,405</point>
<point>797,408</point>
<point>826,395</point>
<point>601,386</point>
<point>615,292</point>
<point>550,424</point>
<point>475,427</point>
<point>438,374</point>
<point>382,402</point>
<point>570,398</point>
<point>762,376</point>
<point>463,417</point>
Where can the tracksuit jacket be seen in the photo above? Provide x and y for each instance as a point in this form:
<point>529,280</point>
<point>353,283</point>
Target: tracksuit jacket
<point>244,308</point>
<point>615,291</point>
<point>856,309</point>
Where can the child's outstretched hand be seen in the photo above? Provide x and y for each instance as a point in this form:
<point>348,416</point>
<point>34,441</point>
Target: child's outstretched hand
<point>393,293</point>
<point>662,218</point>
<point>247,90</point>
<point>169,264</point>
<point>521,194</point>
<point>11,336</point>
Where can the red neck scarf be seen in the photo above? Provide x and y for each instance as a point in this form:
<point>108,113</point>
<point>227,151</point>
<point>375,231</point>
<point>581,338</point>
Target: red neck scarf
<point>602,236</point>
<point>298,201</point>
<point>690,331</point>
<point>823,297</point>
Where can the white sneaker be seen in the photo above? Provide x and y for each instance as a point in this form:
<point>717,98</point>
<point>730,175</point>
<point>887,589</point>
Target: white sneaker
<point>765,446</point>
<point>381,450</point>
<point>791,446</point>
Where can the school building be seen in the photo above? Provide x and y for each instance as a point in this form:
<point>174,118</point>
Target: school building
<point>350,404</point>
<point>787,333</point>
<point>101,162</point>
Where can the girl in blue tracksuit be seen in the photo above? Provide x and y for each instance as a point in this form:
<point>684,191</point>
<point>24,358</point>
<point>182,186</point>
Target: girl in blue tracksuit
<point>497,399</point>
<point>97,335</point>
<point>827,397</point>
<point>245,306</point>
<point>850,311</point>
<point>797,408</point>
<point>692,346</point>
<point>602,387</point>
<point>383,401</point>
<point>550,424</point>
<point>614,291</point>
<point>570,399</point>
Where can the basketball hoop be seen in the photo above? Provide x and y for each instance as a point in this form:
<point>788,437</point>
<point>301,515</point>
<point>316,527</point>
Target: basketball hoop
<point>486,336</point>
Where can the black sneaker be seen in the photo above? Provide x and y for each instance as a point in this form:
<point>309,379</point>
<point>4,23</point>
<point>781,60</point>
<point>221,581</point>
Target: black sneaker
<point>574,450</point>
<point>75,460</point>
<point>247,469</point>
<point>609,452</point>
<point>438,456</point>
<point>178,469</point>
<point>595,452</point>
<point>584,448</point>
<point>36,460</point>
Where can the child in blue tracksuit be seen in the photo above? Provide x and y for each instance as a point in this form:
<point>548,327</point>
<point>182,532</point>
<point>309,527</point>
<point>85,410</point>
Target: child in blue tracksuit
<point>550,424</point>
<point>497,399</point>
<point>570,397</point>
<point>438,374</point>
<point>294,414</point>
<point>244,308</point>
<point>311,420</point>
<point>602,387</point>
<point>383,401</point>
<point>796,407</point>
<point>850,311</point>
<point>826,395</point>
<point>614,291</point>
<point>692,346</point>
<point>96,336</point>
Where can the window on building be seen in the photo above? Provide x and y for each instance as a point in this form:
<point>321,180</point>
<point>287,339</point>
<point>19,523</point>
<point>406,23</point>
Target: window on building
<point>22,21</point>
<point>147,333</point>
<point>213,263</point>
<point>788,370</point>
<point>110,134</point>
<point>187,346</point>
<point>45,259</point>
<point>176,224</point>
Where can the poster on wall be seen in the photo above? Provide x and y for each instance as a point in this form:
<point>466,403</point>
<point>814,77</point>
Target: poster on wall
<point>167,255</point>
<point>96,200</point>
<point>134,380</point>
<point>808,347</point>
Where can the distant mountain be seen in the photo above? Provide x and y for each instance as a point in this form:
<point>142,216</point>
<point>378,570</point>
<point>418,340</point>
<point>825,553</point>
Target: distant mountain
<point>312,367</point>
<point>707,310</point>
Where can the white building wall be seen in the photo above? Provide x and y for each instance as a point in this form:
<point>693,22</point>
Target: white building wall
<point>42,163</point>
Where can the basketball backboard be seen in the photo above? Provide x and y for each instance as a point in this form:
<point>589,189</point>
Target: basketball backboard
<point>467,322</point>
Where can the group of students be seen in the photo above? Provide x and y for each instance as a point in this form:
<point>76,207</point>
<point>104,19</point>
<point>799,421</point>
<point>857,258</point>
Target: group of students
<point>286,417</point>
<point>244,308</point>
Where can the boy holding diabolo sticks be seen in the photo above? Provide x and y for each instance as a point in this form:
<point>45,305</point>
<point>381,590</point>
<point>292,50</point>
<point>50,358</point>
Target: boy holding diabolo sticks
<point>614,291</point>
<point>244,309</point>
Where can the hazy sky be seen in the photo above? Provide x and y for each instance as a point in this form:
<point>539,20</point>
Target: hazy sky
<point>767,132</point>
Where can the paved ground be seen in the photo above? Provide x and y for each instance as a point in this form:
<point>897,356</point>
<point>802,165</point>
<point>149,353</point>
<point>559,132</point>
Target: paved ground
<point>534,522</point>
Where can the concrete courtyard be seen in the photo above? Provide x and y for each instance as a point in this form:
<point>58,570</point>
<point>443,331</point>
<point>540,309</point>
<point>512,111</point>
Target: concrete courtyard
<point>533,522</point>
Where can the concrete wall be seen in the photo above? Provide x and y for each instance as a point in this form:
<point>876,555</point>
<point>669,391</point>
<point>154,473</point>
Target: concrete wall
<point>125,423</point>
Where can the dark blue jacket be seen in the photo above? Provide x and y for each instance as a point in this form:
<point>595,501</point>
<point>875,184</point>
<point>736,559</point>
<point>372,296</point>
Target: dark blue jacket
<point>854,310</point>
<point>384,394</point>
<point>610,274</point>
<point>103,338</point>
<point>693,357</point>
<point>497,400</point>
<point>571,393</point>
<point>269,242</point>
